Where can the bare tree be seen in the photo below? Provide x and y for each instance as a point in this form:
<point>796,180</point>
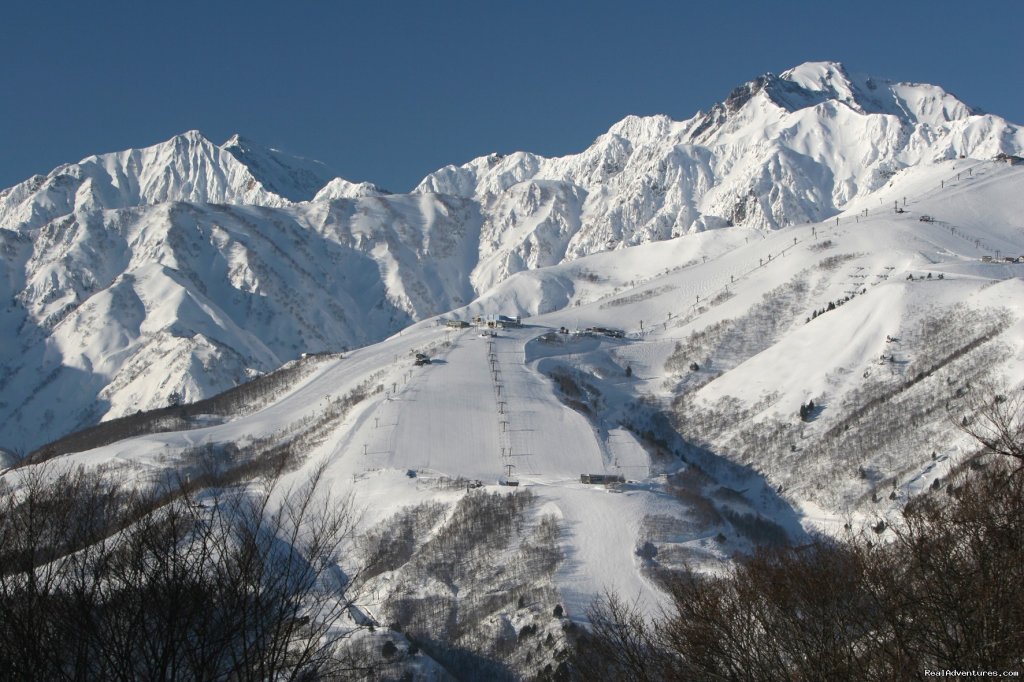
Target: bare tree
<point>102,582</point>
<point>996,420</point>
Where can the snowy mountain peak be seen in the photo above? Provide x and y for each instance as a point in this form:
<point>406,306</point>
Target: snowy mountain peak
<point>815,82</point>
<point>193,135</point>
<point>643,129</point>
<point>484,175</point>
<point>821,76</point>
<point>237,140</point>
<point>777,151</point>
<point>187,167</point>
<point>191,143</point>
<point>292,177</point>
<point>340,188</point>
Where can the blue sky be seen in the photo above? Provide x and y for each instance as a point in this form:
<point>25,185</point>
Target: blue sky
<point>389,91</point>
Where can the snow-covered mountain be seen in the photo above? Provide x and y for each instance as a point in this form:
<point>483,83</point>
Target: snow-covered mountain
<point>764,322</point>
<point>202,264</point>
<point>287,176</point>
<point>768,384</point>
<point>340,188</point>
<point>188,167</point>
<point>112,311</point>
<point>779,150</point>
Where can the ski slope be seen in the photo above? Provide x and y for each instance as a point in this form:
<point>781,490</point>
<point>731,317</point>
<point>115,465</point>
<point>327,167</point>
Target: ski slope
<point>466,416</point>
<point>453,419</point>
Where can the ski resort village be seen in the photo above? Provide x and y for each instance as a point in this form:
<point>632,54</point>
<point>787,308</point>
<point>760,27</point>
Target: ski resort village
<point>644,411</point>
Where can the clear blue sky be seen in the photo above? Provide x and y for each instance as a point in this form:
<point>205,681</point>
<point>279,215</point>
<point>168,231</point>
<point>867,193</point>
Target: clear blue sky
<point>389,91</point>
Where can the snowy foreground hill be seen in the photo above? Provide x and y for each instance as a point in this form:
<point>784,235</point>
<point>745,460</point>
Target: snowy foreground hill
<point>816,238</point>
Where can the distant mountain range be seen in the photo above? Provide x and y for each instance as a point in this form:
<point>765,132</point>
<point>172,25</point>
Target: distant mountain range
<point>187,267</point>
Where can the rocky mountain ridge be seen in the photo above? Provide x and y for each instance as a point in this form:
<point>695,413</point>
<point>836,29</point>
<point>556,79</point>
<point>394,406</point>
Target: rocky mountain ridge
<point>186,267</point>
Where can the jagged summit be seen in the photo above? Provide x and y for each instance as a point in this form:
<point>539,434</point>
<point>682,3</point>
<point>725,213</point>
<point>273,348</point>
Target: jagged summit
<point>812,83</point>
<point>291,177</point>
<point>237,140</point>
<point>778,150</point>
<point>815,82</point>
<point>340,188</point>
<point>187,167</point>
